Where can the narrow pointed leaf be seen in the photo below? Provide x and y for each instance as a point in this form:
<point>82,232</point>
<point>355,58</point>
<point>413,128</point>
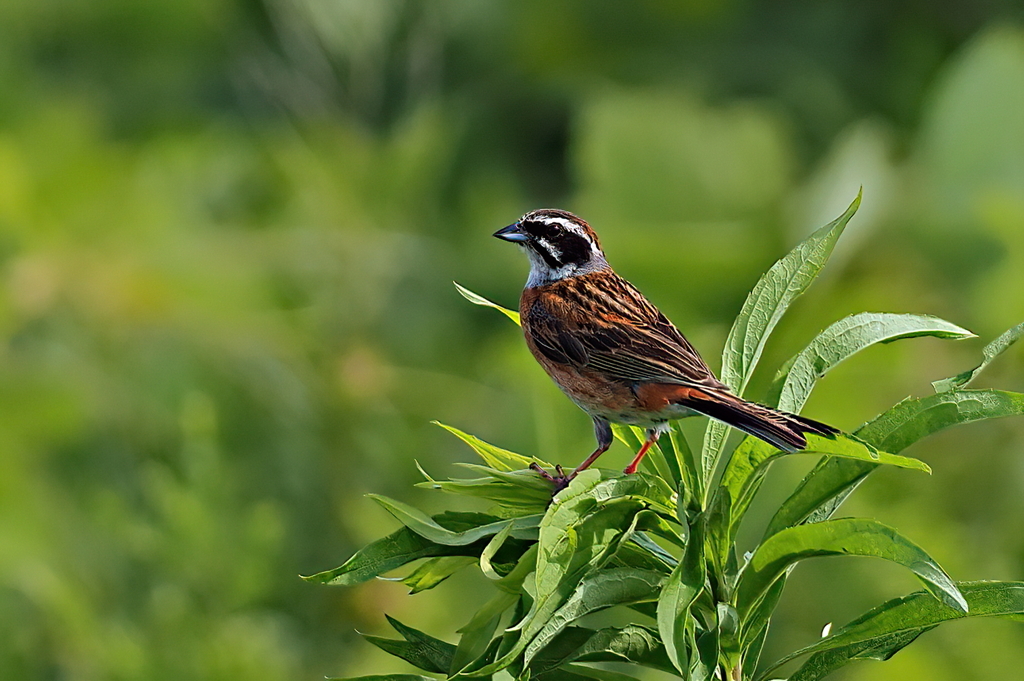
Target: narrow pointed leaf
<point>477,299</point>
<point>409,652</point>
<point>582,530</point>
<point>597,591</point>
<point>847,536</point>
<point>434,571</point>
<point>643,553</point>
<point>761,312</point>
<point>423,525</point>
<point>632,643</point>
<point>832,480</point>
<point>755,629</point>
<point>687,465</point>
<point>492,548</point>
<point>750,460</point>
<point>478,632</point>
<point>883,631</point>
<point>846,337</point>
<point>388,553</point>
<point>513,500</point>
<point>383,677</point>
<point>704,664</point>
<point>825,488</point>
<point>578,672</point>
<point>683,587</point>
<point>418,649</point>
<point>991,351</point>
<point>495,457</point>
<point>525,566</point>
<point>912,420</point>
<point>525,479</point>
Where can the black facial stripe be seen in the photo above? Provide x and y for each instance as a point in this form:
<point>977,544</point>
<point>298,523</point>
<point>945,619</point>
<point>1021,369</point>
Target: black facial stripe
<point>575,249</point>
<point>566,248</point>
<point>549,257</point>
<point>540,229</point>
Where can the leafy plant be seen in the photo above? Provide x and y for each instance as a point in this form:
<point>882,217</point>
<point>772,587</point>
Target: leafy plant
<point>662,543</point>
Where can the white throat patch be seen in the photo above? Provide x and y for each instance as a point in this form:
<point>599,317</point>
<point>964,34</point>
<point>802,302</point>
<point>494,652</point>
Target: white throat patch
<point>541,272</point>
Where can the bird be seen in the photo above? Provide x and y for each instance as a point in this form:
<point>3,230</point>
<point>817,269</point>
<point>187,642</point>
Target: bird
<point>614,354</point>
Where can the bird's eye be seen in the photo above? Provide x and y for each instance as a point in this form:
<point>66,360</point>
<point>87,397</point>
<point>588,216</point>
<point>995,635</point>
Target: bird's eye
<point>544,230</point>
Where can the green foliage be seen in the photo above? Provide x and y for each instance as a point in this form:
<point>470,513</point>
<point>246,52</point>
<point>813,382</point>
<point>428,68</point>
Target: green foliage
<point>991,351</point>
<point>664,546</point>
<point>883,631</point>
<point>480,300</point>
<point>227,234</point>
<point>761,312</point>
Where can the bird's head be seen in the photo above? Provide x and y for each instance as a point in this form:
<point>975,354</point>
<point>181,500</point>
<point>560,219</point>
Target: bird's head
<point>558,244</point>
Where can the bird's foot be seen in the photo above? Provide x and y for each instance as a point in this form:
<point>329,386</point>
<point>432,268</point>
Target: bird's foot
<point>559,480</point>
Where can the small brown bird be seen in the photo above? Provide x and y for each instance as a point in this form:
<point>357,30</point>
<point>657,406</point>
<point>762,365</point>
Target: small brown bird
<point>616,355</point>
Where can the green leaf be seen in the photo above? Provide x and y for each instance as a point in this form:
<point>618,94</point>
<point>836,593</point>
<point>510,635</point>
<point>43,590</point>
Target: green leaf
<point>480,300</point>
<point>643,553</point>
<point>832,480</point>
<point>730,652</point>
<point>846,337</point>
<point>825,488</point>
<point>883,631</point>
<point>418,649</point>
<point>492,548</point>
<point>768,301</point>
<point>991,351</point>
<point>578,672</point>
<point>495,457</point>
<point>582,529</point>
<point>749,463</point>
<point>718,548</point>
<point>632,643</point>
<point>683,586</point>
<point>434,571</point>
<point>914,419</point>
<point>515,500</point>
<point>388,553</point>
<point>756,629</point>
<point>517,493</point>
<point>423,525</point>
<point>689,476</point>
<point>527,563</point>
<point>384,677</point>
<point>846,536</point>
<point>477,633</point>
<point>584,526</point>
<point>704,664</point>
<point>597,591</point>
<point>526,479</point>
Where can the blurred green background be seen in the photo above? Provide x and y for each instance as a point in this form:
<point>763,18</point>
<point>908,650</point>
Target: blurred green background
<point>228,231</point>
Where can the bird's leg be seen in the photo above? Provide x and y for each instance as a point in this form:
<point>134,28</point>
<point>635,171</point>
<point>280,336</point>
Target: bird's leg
<point>603,432</point>
<point>652,437</point>
<point>553,479</point>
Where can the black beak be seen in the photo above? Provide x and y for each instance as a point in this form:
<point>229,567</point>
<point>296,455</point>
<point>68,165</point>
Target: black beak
<point>511,233</point>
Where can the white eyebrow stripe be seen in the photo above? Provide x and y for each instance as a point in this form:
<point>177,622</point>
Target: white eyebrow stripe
<point>567,224</point>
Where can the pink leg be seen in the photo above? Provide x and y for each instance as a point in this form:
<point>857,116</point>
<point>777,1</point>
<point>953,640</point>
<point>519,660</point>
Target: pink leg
<point>603,432</point>
<point>652,437</point>
<point>589,460</point>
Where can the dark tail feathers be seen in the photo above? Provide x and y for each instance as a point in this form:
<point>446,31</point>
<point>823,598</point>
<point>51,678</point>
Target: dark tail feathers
<point>778,428</point>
